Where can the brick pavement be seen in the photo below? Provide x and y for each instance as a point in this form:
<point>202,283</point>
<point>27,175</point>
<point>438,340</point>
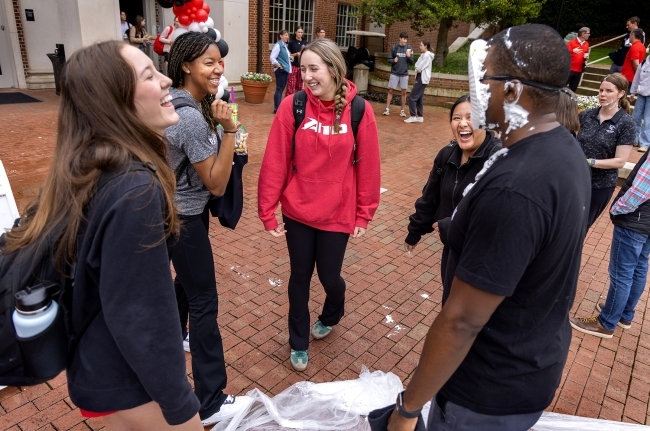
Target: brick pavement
<point>607,379</point>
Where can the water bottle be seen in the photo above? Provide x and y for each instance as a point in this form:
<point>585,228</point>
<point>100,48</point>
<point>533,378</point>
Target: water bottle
<point>35,311</point>
<point>40,330</point>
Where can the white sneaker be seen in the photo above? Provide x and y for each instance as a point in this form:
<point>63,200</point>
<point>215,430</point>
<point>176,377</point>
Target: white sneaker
<point>387,111</point>
<point>419,119</point>
<point>411,120</point>
<point>186,344</point>
<point>402,113</point>
<point>229,408</point>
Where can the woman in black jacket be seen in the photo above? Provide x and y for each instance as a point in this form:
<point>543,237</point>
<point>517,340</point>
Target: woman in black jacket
<point>455,166</point>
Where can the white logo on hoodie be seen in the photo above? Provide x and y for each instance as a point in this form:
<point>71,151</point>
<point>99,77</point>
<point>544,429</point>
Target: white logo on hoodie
<point>317,127</point>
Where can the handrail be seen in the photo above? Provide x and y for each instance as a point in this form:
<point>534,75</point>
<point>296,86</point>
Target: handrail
<point>602,43</point>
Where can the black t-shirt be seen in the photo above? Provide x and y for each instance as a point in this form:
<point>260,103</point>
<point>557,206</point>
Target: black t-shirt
<point>518,233</point>
<point>599,141</point>
<point>296,45</point>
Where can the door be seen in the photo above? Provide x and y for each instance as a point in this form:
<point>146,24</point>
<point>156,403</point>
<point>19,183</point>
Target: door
<point>6,69</point>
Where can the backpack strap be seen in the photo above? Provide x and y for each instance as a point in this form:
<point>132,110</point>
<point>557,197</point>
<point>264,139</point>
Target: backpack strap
<point>299,101</point>
<point>178,103</point>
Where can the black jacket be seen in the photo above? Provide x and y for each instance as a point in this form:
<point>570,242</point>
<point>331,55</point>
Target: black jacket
<point>401,68</point>
<point>446,184</point>
<point>639,220</point>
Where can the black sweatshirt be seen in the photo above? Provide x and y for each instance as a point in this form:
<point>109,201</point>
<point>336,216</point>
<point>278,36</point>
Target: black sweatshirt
<point>401,68</point>
<point>132,352</point>
<point>445,186</point>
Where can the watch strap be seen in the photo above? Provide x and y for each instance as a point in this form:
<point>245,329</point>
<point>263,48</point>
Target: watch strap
<point>399,405</point>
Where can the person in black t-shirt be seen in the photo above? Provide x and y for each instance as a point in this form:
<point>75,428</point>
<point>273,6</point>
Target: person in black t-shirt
<point>294,83</point>
<point>494,356</point>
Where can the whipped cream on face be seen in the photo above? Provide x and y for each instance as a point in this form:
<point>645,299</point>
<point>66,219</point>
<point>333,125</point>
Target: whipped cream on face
<point>479,93</point>
<point>515,115</point>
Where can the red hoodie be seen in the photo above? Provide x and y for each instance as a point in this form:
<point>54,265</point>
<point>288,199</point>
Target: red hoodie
<point>326,192</point>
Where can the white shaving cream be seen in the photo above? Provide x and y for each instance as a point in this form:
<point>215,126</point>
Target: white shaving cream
<point>515,115</point>
<point>489,162</point>
<point>479,93</point>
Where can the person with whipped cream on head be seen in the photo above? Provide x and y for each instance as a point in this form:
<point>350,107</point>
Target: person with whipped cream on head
<point>494,356</point>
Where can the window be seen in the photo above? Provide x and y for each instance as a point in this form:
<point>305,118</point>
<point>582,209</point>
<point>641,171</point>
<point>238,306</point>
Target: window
<point>346,20</point>
<point>289,14</point>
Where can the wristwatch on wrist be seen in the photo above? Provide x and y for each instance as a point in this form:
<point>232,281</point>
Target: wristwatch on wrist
<point>592,162</point>
<point>399,405</point>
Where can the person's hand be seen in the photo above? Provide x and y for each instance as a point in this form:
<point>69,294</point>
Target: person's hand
<point>400,423</point>
<point>298,54</point>
<point>408,53</point>
<point>395,61</point>
<point>408,248</point>
<point>223,114</point>
<point>577,50</point>
<point>278,231</point>
<point>358,232</point>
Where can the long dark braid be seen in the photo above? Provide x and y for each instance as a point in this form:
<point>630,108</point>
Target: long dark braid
<point>186,48</point>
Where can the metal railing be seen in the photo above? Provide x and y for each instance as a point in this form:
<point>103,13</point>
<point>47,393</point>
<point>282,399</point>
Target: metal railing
<point>603,43</point>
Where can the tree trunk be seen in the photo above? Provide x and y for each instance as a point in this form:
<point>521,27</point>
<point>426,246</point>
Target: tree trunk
<point>441,44</point>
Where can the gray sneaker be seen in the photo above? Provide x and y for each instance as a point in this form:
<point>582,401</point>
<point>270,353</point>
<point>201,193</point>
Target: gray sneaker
<point>186,344</point>
<point>299,359</point>
<point>402,113</point>
<point>387,111</point>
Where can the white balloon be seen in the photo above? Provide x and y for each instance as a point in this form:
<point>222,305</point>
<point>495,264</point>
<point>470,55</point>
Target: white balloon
<point>223,81</point>
<point>218,35</point>
<point>209,23</point>
<point>219,94</point>
<point>178,32</point>
<point>194,27</point>
<point>204,28</point>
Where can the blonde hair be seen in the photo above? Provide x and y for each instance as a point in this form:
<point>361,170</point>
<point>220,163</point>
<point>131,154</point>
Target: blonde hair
<point>332,57</point>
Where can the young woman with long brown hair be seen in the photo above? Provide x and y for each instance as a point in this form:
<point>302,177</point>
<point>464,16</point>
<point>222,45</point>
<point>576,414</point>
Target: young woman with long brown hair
<point>114,110</point>
<point>138,35</point>
<point>328,190</point>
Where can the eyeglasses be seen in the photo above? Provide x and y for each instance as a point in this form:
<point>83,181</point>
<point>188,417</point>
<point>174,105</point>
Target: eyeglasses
<point>523,81</point>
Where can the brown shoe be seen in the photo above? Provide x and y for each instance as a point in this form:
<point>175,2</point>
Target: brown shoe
<point>590,325</point>
<point>622,323</point>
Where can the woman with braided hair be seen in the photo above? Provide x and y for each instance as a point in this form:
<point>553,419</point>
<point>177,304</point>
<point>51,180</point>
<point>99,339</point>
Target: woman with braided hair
<point>202,159</point>
<point>329,189</point>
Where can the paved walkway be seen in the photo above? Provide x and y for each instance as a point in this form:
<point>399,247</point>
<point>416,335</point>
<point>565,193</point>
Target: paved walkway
<point>607,379</point>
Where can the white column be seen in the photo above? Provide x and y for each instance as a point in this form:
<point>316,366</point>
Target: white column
<point>231,19</point>
<point>86,22</point>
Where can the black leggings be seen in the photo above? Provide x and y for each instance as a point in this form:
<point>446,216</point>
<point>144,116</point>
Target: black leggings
<point>599,200</point>
<point>196,295</point>
<point>308,247</point>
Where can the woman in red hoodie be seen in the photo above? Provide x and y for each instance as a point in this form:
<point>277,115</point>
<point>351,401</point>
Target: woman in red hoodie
<point>325,197</point>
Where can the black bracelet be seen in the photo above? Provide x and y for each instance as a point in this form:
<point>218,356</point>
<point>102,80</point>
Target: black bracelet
<point>228,131</point>
<point>399,405</point>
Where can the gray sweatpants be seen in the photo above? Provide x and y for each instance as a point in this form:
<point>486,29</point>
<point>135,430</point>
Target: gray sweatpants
<point>416,108</point>
<point>457,418</point>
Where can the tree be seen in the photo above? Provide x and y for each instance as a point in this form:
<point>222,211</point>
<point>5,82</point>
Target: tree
<point>431,14</point>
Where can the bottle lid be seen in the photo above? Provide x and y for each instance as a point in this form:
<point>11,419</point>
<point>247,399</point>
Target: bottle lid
<point>33,298</point>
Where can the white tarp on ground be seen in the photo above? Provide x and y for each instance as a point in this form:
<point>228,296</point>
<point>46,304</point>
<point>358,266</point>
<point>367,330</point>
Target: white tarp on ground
<point>343,405</point>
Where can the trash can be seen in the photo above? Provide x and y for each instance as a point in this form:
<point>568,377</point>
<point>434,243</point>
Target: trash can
<point>57,59</point>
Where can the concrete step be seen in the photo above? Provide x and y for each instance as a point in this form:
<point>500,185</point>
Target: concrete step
<point>593,76</point>
<point>586,91</point>
<point>590,84</point>
<point>599,70</point>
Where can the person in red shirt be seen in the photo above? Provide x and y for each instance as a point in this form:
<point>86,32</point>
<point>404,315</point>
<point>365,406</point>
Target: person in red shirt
<point>579,50</point>
<point>634,56</point>
<point>328,191</point>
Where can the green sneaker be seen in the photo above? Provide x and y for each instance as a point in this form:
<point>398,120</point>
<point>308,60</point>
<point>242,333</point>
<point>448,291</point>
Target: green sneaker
<point>299,359</point>
<point>320,331</point>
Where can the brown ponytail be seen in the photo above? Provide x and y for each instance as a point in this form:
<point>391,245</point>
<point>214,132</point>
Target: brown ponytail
<point>339,103</point>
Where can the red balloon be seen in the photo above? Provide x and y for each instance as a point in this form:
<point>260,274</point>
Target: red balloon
<point>206,8</point>
<point>201,16</point>
<point>193,16</point>
<point>195,4</point>
<point>184,20</point>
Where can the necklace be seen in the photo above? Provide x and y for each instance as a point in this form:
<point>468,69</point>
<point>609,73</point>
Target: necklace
<point>185,90</point>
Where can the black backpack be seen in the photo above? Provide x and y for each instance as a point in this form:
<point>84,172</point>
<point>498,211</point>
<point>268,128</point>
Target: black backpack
<point>227,208</point>
<point>127,33</point>
<point>20,363</point>
<point>299,101</point>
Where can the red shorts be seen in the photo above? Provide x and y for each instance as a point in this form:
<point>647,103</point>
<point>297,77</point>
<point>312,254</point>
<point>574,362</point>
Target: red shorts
<point>87,414</point>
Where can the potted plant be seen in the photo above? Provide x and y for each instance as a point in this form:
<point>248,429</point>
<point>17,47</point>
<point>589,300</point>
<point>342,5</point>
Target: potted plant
<point>254,86</point>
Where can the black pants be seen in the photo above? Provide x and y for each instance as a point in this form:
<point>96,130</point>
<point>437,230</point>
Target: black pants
<point>416,107</point>
<point>574,80</point>
<point>196,294</point>
<point>599,200</point>
<point>308,247</point>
